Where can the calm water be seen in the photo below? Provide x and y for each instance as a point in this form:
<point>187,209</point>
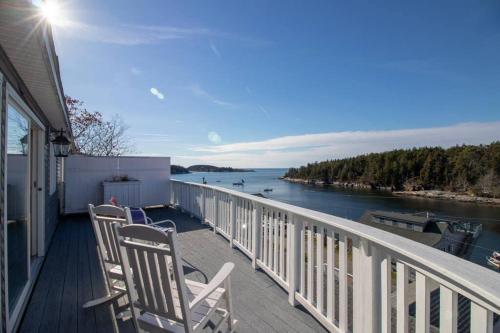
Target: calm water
<point>352,204</point>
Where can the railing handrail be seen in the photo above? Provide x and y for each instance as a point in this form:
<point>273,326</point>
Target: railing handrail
<point>473,281</point>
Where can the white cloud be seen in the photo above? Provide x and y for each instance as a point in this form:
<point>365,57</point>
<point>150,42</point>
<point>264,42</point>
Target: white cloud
<point>214,137</point>
<point>214,49</point>
<point>157,93</point>
<point>200,92</point>
<point>131,35</point>
<point>300,149</point>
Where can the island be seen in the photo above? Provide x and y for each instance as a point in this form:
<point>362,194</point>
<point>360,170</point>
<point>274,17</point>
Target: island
<point>211,168</point>
<point>469,173</point>
<point>177,169</point>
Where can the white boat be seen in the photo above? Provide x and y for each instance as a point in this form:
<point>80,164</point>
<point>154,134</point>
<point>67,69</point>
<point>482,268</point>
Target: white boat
<point>494,260</point>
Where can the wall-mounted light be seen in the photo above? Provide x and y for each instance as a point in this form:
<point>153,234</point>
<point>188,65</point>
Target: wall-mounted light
<point>61,145</point>
<point>24,144</point>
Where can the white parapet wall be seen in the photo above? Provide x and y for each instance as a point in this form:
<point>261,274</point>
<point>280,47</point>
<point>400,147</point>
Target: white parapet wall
<point>84,178</point>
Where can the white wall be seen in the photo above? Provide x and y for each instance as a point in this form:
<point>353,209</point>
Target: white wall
<point>83,177</point>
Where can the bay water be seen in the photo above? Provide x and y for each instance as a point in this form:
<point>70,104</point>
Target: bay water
<point>353,203</point>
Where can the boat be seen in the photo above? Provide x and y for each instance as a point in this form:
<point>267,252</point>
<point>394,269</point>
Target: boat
<point>494,259</point>
<point>239,183</point>
<point>493,262</point>
<point>268,190</point>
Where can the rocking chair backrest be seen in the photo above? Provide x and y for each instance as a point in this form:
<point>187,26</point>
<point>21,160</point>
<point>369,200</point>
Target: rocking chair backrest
<point>102,219</point>
<point>146,253</point>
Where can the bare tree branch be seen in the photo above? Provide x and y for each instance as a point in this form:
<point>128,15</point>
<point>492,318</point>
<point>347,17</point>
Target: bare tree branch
<point>95,136</point>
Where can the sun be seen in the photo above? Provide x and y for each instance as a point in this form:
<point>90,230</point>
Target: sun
<point>51,11</point>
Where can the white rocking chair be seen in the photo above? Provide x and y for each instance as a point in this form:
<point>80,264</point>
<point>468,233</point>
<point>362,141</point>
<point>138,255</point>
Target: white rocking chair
<point>102,218</point>
<point>166,302</point>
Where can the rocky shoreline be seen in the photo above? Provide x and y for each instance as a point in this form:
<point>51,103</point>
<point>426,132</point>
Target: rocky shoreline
<point>430,194</point>
<point>446,195</point>
<point>336,184</point>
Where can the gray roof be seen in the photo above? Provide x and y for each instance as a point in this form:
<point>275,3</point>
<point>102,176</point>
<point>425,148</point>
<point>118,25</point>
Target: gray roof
<point>427,238</point>
<point>403,217</point>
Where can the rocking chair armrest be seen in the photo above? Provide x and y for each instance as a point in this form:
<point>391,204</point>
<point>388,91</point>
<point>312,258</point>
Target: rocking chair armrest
<point>157,223</point>
<point>218,279</point>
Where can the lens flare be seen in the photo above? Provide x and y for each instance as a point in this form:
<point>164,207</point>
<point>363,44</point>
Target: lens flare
<point>51,11</point>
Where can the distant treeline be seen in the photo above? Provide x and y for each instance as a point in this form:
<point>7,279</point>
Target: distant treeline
<point>466,168</point>
<point>177,169</point>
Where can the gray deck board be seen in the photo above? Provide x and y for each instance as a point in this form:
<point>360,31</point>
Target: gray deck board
<point>71,276</point>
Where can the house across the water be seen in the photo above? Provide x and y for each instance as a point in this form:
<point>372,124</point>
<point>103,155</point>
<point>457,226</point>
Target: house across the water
<point>446,235</point>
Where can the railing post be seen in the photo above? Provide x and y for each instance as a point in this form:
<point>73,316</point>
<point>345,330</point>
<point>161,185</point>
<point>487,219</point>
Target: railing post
<point>294,254</point>
<point>257,215</point>
<point>232,221</point>
<point>365,287</point>
<point>216,210</point>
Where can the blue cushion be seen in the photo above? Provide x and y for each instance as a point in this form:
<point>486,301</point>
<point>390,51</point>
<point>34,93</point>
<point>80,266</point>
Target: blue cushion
<point>137,216</point>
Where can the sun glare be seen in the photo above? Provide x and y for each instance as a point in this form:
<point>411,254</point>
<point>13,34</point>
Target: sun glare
<point>52,12</point>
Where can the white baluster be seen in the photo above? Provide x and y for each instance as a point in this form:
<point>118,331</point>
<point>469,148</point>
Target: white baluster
<point>216,211</point>
<point>402,297</point>
<point>448,310</point>
<point>265,223</point>
<point>481,319</point>
<point>319,269</point>
<point>423,302</point>
<point>385,294</point>
<point>282,247</point>
<point>330,275</point>
<point>310,263</point>
<point>232,220</point>
<point>275,265</point>
<point>257,230</point>
<point>295,247</point>
<point>343,292</point>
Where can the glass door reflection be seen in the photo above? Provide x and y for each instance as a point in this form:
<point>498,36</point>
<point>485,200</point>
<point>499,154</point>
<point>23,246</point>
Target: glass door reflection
<point>18,189</point>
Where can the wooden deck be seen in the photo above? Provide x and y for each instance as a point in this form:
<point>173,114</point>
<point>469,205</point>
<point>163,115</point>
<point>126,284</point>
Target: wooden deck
<point>71,276</point>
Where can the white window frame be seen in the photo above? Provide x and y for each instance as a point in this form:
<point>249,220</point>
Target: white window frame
<point>33,268</point>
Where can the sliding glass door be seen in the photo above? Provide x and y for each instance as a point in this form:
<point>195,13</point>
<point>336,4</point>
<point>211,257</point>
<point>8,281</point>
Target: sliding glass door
<point>18,167</point>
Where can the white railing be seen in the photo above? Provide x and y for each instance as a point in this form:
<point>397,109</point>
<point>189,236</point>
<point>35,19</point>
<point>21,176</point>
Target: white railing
<point>353,288</point>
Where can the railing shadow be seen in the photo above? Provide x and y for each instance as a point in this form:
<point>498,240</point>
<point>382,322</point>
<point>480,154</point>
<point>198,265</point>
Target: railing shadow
<point>183,221</point>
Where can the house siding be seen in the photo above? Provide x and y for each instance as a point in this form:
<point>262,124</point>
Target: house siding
<point>3,120</point>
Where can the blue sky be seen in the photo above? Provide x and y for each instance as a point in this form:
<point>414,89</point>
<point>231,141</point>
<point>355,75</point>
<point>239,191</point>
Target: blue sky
<point>269,83</point>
